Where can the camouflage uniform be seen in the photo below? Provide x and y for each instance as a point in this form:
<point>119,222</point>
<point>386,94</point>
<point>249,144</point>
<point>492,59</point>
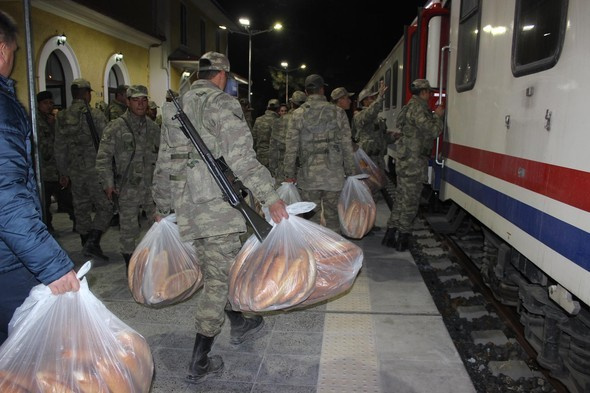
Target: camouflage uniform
<point>370,131</point>
<point>49,174</point>
<point>319,135</point>
<point>75,156</point>
<point>419,127</point>
<point>114,110</point>
<point>130,139</point>
<point>261,132</point>
<point>182,182</point>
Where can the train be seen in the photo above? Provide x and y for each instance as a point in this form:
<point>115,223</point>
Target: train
<point>512,75</point>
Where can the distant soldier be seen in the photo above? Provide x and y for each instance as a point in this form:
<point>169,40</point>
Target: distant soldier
<point>130,140</point>
<point>49,173</point>
<point>247,109</point>
<point>370,130</point>
<point>117,106</point>
<point>319,135</point>
<point>262,130</point>
<point>77,134</point>
<point>341,97</point>
<point>277,137</point>
<point>419,127</point>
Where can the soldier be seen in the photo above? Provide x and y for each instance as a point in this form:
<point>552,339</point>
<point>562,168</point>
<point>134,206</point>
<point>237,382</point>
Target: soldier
<point>341,97</point>
<point>370,131</point>
<point>182,182</point>
<point>118,106</point>
<point>419,127</point>
<point>152,112</point>
<point>277,137</point>
<point>262,130</point>
<point>77,134</point>
<point>320,133</point>
<point>247,109</point>
<point>49,174</point>
<point>130,140</point>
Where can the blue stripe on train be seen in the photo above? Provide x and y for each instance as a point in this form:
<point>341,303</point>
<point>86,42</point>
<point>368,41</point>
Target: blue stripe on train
<point>569,241</point>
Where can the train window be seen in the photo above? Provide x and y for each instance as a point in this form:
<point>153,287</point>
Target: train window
<point>387,102</point>
<point>468,45</point>
<point>539,30</point>
<point>394,84</point>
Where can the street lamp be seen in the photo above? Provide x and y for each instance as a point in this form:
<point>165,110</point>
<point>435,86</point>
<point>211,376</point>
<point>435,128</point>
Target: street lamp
<point>285,65</point>
<point>245,23</point>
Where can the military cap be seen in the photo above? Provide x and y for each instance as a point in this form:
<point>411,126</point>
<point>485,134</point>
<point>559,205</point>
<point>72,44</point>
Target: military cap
<point>81,84</point>
<point>298,97</point>
<point>137,91</point>
<point>273,103</point>
<point>152,105</point>
<point>44,95</point>
<point>420,84</point>
<point>121,89</point>
<point>213,61</point>
<point>339,93</point>
<point>314,81</point>
<point>366,93</point>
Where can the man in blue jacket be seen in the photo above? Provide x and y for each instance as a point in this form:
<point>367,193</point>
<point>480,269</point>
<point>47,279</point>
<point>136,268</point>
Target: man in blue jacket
<point>28,253</point>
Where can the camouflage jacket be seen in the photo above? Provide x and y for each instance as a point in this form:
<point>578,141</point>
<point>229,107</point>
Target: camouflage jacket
<point>261,132</point>
<point>130,140</point>
<point>370,132</point>
<point>46,136</point>
<point>114,110</point>
<point>419,127</point>
<point>74,147</point>
<point>319,135</point>
<point>276,154</point>
<point>182,180</point>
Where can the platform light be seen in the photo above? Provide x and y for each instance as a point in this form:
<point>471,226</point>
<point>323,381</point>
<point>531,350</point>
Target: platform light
<point>61,39</point>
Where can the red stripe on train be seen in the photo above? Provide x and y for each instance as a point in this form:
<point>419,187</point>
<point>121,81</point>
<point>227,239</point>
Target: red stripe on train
<point>563,184</point>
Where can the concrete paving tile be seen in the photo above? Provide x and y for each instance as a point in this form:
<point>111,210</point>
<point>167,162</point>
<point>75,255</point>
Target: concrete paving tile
<point>256,344</point>
<point>266,388</point>
<point>179,338</point>
<point>216,386</point>
<point>169,384</point>
<point>153,333</point>
<point>238,367</point>
<point>300,321</point>
<point>403,376</point>
<point>295,343</point>
<point>414,338</point>
<point>412,298</point>
<point>171,361</point>
<point>289,370</point>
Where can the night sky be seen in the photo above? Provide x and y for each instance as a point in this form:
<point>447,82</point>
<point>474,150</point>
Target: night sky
<point>343,41</point>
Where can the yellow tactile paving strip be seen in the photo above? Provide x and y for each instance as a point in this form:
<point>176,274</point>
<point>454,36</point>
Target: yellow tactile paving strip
<point>349,361</point>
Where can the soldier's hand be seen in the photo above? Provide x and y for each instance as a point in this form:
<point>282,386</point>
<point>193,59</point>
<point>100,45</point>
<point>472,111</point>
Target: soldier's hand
<point>278,211</point>
<point>439,111</point>
<point>382,88</point>
<point>67,283</point>
<point>291,180</point>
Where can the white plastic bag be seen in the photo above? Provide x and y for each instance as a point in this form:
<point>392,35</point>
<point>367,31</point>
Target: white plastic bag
<point>299,263</point>
<point>72,343</point>
<point>163,269</point>
<point>288,192</point>
<point>356,208</point>
<point>377,178</point>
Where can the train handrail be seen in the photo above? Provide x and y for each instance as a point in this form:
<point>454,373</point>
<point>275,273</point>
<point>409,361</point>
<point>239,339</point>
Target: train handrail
<point>440,94</point>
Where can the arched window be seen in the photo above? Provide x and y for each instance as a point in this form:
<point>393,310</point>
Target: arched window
<point>55,80</point>
<point>115,79</point>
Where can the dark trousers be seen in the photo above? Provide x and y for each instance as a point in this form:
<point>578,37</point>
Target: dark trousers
<point>63,198</point>
<point>14,289</point>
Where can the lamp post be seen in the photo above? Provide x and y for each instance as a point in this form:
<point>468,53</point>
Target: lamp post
<point>285,65</point>
<point>245,23</point>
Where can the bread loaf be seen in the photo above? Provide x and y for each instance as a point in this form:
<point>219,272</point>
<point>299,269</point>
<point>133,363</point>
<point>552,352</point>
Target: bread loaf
<point>115,376</point>
<point>51,383</point>
<point>14,383</point>
<point>136,271</point>
<point>88,382</point>
<point>356,219</point>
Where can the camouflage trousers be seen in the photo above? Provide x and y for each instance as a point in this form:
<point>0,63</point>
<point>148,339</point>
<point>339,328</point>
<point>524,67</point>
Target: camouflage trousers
<point>327,205</point>
<point>216,255</point>
<point>130,201</point>
<point>406,201</point>
<point>86,192</point>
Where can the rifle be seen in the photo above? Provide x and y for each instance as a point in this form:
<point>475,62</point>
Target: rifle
<point>222,174</point>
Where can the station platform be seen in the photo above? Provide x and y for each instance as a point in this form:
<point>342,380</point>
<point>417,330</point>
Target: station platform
<point>384,336</point>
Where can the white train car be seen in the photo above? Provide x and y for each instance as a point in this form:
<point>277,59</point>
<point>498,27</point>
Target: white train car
<point>514,153</point>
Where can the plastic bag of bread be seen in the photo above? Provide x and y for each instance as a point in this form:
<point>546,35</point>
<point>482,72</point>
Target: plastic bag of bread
<point>377,178</point>
<point>288,192</point>
<point>356,208</point>
<point>163,269</point>
<point>288,268</point>
<point>72,343</point>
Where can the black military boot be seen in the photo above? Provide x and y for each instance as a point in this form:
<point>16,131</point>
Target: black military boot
<point>403,242</point>
<point>83,239</point>
<point>391,238</point>
<point>127,258</point>
<point>92,246</point>
<point>242,327</point>
<point>202,365</point>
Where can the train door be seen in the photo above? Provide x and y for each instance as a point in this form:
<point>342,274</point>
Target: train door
<point>426,58</point>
